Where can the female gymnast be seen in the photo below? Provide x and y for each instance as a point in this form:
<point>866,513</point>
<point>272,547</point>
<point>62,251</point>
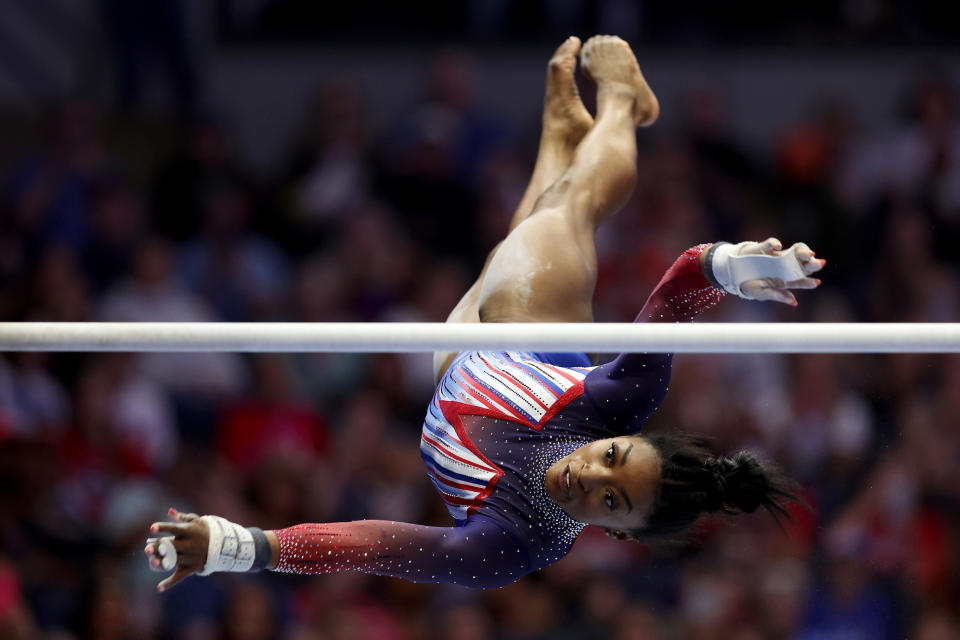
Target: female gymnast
<point>527,449</point>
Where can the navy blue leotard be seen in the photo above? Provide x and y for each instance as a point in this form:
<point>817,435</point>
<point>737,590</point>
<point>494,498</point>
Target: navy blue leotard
<point>496,423</point>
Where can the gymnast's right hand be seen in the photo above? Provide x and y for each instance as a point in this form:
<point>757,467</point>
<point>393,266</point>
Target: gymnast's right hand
<point>181,545</point>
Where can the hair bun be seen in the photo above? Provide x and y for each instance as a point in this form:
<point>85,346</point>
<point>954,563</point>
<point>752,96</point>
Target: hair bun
<point>741,481</point>
<point>693,481</point>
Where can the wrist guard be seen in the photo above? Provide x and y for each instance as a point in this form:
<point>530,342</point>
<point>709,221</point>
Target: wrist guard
<point>234,548</point>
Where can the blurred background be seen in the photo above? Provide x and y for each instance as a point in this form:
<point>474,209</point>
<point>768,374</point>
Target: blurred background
<point>268,160</point>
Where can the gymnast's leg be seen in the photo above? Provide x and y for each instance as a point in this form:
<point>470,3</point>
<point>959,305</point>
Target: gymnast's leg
<point>565,122</point>
<point>545,270</point>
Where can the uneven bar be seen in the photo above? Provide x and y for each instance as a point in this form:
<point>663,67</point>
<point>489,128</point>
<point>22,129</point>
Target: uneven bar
<point>407,337</point>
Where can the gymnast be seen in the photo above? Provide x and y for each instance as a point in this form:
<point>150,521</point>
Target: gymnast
<point>527,449</point>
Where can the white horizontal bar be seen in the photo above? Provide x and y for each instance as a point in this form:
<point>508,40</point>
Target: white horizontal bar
<point>412,337</point>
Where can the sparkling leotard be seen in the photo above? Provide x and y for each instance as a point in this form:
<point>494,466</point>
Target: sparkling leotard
<point>497,422</point>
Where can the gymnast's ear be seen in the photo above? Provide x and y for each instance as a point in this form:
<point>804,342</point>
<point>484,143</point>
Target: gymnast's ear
<point>618,534</point>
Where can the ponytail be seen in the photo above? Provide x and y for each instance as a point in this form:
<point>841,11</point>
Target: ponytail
<point>694,481</point>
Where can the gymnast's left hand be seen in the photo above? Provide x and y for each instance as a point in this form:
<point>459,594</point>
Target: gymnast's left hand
<point>190,541</point>
<point>775,289</point>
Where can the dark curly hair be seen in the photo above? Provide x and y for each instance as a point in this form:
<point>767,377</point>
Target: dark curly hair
<point>694,481</point>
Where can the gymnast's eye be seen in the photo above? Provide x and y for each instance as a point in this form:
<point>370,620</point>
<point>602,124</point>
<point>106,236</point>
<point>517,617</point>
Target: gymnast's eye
<point>611,454</point>
<point>609,500</point>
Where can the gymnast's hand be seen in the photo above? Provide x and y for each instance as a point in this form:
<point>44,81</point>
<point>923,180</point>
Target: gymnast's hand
<point>735,268</point>
<point>182,547</point>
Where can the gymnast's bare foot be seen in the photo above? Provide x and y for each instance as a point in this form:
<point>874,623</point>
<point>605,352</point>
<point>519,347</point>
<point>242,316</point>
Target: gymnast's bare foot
<point>612,65</point>
<point>565,119</point>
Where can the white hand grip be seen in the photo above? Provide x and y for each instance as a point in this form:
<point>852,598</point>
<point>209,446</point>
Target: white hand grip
<point>731,269</point>
<point>754,267</point>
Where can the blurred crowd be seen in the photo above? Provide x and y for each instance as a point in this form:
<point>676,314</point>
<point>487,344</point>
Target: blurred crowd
<point>105,220</point>
<point>690,23</point>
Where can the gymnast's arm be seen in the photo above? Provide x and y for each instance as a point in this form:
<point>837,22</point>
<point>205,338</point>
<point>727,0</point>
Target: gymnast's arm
<point>480,553</point>
<point>633,385</point>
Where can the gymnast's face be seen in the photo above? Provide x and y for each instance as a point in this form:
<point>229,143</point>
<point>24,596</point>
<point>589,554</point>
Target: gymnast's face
<point>610,483</point>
